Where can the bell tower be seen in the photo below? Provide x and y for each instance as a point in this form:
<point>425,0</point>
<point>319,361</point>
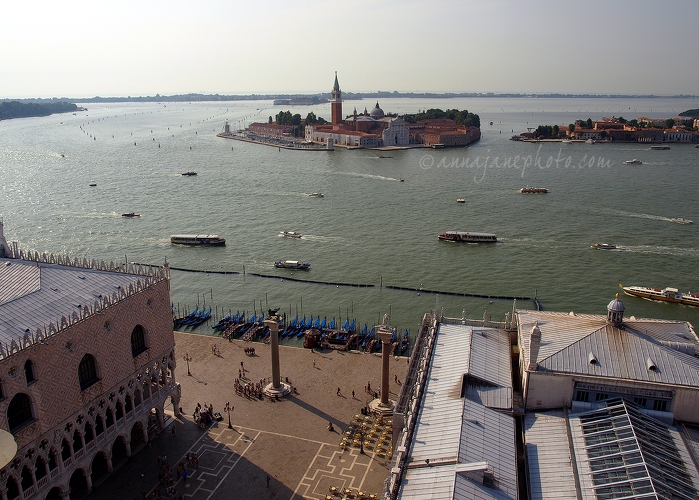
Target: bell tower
<point>336,103</point>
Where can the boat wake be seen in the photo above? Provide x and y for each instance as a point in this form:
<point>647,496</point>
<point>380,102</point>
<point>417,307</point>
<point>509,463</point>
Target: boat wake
<point>660,250</point>
<point>370,176</point>
<point>639,216</point>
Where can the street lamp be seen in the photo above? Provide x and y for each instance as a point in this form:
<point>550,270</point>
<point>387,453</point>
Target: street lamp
<point>188,359</point>
<point>228,408</point>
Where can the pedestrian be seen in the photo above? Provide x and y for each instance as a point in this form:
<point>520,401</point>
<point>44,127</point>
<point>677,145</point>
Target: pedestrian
<point>314,363</point>
<point>242,367</point>
<point>395,377</point>
<point>143,477</point>
<point>338,391</point>
<point>184,475</point>
<point>352,393</point>
<point>268,481</point>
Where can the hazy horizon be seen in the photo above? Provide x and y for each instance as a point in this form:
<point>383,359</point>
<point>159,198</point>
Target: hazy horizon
<point>85,49</point>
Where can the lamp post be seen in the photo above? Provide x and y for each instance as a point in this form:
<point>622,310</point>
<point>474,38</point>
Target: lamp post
<point>188,359</point>
<point>228,408</point>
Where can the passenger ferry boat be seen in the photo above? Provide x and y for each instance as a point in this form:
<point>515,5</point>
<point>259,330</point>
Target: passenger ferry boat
<point>533,190</point>
<point>292,264</point>
<point>665,295</point>
<point>467,237</point>
<point>197,240</point>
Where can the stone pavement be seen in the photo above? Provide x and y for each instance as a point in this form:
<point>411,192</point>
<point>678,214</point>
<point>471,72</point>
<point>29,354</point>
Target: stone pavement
<point>287,441</point>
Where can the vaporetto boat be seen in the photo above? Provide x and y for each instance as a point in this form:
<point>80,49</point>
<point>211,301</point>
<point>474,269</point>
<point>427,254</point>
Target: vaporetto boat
<point>467,237</point>
<point>202,240</point>
<point>667,294</point>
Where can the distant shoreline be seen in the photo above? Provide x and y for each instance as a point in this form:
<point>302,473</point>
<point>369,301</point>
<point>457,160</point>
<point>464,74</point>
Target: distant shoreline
<point>347,96</point>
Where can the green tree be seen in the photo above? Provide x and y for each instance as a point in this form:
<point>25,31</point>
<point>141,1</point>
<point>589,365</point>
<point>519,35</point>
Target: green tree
<point>669,123</point>
<point>588,124</point>
<point>571,127</point>
<point>311,118</point>
<point>632,123</point>
<point>556,131</point>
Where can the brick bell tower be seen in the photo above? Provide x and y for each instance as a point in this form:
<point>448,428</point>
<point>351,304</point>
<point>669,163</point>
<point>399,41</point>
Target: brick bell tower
<point>336,103</point>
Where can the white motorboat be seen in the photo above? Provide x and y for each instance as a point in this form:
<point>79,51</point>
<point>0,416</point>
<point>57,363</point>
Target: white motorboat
<point>290,234</point>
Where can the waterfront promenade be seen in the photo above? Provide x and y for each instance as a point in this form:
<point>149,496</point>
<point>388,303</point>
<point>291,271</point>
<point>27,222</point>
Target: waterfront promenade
<point>287,441</point>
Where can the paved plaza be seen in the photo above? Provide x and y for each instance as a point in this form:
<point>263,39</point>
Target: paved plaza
<point>286,441</point>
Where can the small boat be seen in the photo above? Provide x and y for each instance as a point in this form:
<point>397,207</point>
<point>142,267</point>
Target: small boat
<point>130,214</point>
<point>633,162</point>
<point>660,148</point>
<point>292,264</point>
<point>665,295</point>
<point>603,246</point>
<point>466,237</point>
<point>290,234</point>
<point>189,174</point>
<point>590,141</point>
<point>317,195</point>
<point>93,185</point>
<point>197,240</point>
<point>680,220</point>
<point>533,190</point>
<point>460,200</point>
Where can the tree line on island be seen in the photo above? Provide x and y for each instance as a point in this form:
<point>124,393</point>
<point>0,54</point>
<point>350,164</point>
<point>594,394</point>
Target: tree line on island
<point>16,109</point>
<point>460,117</point>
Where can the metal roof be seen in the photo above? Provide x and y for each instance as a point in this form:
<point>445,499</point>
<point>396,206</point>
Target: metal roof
<point>452,431</point>
<point>568,343</point>
<point>622,452</point>
<point>35,294</point>
<point>549,463</point>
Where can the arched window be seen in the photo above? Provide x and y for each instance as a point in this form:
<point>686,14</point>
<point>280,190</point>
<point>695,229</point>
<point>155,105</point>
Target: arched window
<point>19,412</point>
<point>29,372</point>
<point>87,372</point>
<point>128,404</point>
<point>119,410</point>
<point>89,434</point>
<point>138,341</point>
<point>99,425</point>
<point>109,421</point>
<point>77,441</point>
<point>65,449</point>
<point>40,470</point>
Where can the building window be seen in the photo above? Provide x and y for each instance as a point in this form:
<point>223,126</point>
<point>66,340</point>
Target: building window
<point>87,372</point>
<point>660,405</point>
<point>600,396</point>
<point>138,341</point>
<point>29,372</point>
<point>19,412</point>
<point>640,402</point>
<point>582,396</point>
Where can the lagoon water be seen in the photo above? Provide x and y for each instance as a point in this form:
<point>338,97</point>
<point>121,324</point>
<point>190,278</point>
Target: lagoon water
<point>370,228</point>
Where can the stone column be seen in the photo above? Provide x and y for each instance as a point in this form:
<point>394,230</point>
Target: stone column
<point>277,388</point>
<point>385,334</point>
<point>274,337</point>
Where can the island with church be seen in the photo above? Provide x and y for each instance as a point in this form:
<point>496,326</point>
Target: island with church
<point>373,129</point>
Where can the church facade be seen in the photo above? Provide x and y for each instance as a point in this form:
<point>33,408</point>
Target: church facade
<point>377,130</point>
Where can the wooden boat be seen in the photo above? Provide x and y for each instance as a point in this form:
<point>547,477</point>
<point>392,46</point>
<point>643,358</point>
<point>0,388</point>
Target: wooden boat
<point>290,234</point>
<point>292,264</point>
<point>201,240</point>
<point>665,295</point>
<point>603,246</point>
<point>130,214</point>
<point>466,237</point>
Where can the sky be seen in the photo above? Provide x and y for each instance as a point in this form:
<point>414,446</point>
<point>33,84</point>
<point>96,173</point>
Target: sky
<point>72,48</point>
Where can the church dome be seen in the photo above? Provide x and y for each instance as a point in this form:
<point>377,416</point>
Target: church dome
<point>616,305</point>
<point>377,112</point>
